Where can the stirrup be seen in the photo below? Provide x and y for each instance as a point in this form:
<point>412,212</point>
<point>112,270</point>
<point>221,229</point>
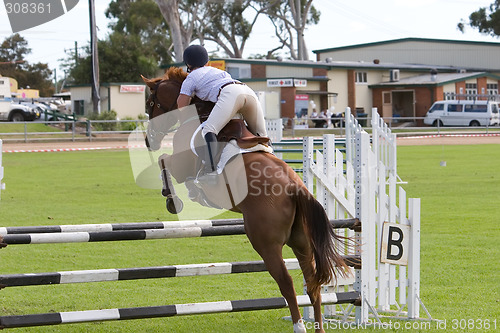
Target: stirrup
<point>209,178</point>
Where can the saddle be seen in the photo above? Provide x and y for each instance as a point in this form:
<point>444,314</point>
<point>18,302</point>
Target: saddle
<point>237,130</point>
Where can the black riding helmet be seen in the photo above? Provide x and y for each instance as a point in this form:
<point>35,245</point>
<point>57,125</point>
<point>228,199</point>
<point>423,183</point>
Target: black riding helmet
<point>195,56</point>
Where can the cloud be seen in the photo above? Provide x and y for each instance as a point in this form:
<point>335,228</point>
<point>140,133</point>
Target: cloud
<point>357,26</point>
<point>413,3</point>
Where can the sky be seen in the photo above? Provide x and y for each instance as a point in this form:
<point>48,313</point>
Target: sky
<point>342,22</point>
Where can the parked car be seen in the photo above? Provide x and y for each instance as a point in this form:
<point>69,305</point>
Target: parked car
<point>463,113</point>
<point>19,112</point>
<point>38,106</point>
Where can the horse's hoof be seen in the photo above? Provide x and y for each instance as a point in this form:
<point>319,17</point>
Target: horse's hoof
<point>299,327</point>
<point>174,205</point>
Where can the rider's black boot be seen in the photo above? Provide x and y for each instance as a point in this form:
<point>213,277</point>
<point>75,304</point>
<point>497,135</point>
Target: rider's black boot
<point>209,172</point>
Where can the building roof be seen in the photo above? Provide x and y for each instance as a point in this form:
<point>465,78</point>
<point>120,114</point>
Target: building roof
<point>436,80</point>
<point>331,64</point>
<point>404,40</point>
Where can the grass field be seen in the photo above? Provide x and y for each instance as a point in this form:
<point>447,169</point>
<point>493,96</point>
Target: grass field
<point>459,255</point>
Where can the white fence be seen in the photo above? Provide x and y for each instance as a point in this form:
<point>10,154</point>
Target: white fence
<point>366,186</point>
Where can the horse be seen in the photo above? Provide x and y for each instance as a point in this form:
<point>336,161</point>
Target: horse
<point>272,218</point>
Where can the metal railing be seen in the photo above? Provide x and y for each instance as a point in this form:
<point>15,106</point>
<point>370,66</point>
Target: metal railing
<point>95,130</point>
<point>400,125</point>
<point>84,130</point>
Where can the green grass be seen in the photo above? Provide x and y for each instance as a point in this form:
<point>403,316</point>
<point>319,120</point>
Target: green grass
<point>8,127</point>
<point>460,230</point>
<point>459,254</point>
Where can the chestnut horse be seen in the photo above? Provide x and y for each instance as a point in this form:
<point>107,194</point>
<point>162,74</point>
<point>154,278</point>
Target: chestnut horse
<point>271,218</point>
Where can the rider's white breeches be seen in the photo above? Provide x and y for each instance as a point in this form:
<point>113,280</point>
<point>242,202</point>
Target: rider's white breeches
<point>236,99</point>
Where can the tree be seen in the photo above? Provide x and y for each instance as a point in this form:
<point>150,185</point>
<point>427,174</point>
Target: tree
<point>227,26</point>
<point>181,36</point>
<point>485,19</point>
<point>36,76</point>
<point>122,58</point>
<point>141,18</point>
<point>229,23</point>
<point>14,48</point>
<point>138,43</point>
<point>290,18</point>
<point>222,22</point>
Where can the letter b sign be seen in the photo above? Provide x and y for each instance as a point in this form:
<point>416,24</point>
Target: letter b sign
<point>395,244</point>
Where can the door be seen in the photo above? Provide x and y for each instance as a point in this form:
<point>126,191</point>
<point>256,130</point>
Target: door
<point>387,105</point>
<point>453,115</point>
<point>403,105</point>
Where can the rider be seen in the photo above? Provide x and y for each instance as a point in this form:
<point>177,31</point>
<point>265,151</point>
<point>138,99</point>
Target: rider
<point>230,97</point>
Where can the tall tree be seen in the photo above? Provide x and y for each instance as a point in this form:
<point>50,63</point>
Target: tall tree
<point>13,50</point>
<point>290,19</point>
<point>141,18</point>
<point>486,20</point>
<point>138,43</point>
<point>224,23</point>
<point>181,31</point>
<point>121,59</point>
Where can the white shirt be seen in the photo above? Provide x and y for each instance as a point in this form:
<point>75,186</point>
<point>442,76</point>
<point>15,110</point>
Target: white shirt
<point>205,82</point>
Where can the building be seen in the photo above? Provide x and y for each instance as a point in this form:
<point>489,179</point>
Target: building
<point>472,55</point>
<point>126,99</point>
<point>301,86</point>
<point>413,96</point>
<point>5,97</point>
<point>455,68</point>
<point>401,77</point>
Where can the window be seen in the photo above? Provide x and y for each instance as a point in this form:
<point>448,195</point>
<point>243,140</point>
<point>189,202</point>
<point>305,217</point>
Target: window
<point>387,97</point>
<point>470,89</point>
<point>437,107</point>
<point>455,107</point>
<point>361,77</point>
<point>475,108</point>
<point>494,108</point>
<point>492,88</point>
<point>239,71</point>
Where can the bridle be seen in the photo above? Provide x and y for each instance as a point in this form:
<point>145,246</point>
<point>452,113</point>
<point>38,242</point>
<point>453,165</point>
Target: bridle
<point>153,100</point>
<point>151,104</point>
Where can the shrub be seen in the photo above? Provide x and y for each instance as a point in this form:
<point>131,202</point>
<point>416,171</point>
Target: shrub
<point>104,126</point>
<point>128,125</point>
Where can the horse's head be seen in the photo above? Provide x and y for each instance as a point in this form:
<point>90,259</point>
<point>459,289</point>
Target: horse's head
<point>163,99</point>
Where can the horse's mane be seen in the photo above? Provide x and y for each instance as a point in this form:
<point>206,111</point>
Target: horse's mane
<point>175,74</point>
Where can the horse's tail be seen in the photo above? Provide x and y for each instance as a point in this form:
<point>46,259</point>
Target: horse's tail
<point>323,240</point>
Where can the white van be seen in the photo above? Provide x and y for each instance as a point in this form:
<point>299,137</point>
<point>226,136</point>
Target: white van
<point>463,113</point>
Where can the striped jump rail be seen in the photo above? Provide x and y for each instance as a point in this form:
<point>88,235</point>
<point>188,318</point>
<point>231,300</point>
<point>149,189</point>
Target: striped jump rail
<point>117,226</point>
<point>4,231</point>
<point>122,235</point>
<point>72,317</point>
<point>156,272</point>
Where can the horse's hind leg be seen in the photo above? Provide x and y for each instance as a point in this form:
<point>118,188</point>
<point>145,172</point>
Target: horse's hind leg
<point>276,267</point>
<point>270,248</point>
<point>302,250</point>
